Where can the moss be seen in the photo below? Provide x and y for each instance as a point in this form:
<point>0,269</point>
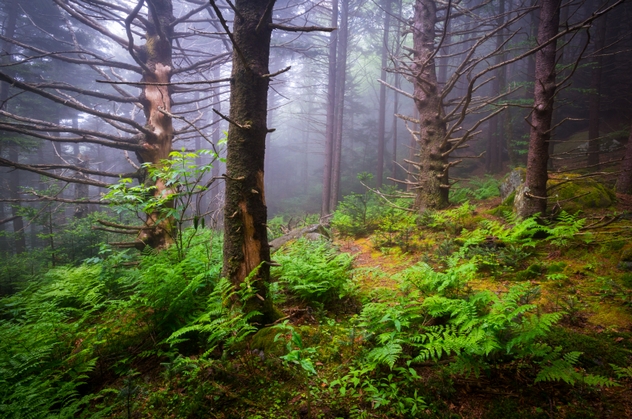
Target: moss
<point>611,316</point>
<point>626,253</point>
<point>264,341</point>
<point>555,267</point>
<point>531,272</point>
<point>627,279</point>
<point>579,193</point>
<point>507,408</point>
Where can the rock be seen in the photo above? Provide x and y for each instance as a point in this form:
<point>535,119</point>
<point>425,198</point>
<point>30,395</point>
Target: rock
<point>575,193</point>
<point>625,266</point>
<point>511,182</point>
<point>311,232</point>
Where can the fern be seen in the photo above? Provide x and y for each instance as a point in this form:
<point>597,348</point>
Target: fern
<point>223,323</point>
<point>314,271</point>
<point>558,367</point>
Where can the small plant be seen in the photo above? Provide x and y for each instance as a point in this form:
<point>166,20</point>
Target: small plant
<point>182,179</point>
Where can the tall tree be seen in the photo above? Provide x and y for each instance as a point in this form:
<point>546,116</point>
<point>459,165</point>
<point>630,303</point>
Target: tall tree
<point>531,198</point>
<point>381,126</point>
<point>330,123</point>
<point>13,179</point>
<point>246,248</point>
<point>624,181</point>
<point>432,178</point>
<point>595,93</point>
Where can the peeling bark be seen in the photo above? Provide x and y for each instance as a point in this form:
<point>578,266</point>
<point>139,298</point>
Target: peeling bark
<point>156,146</point>
<point>246,247</point>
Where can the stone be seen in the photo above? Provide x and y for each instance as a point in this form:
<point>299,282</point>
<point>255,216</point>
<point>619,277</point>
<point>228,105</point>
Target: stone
<point>511,182</point>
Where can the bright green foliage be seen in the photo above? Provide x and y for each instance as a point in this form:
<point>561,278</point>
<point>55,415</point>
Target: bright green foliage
<point>182,178</point>
<point>297,352</point>
<point>314,270</point>
<point>478,188</point>
<point>397,392</point>
<point>42,360</point>
<point>55,331</point>
<point>223,322</point>
<point>477,329</point>
<point>357,215</point>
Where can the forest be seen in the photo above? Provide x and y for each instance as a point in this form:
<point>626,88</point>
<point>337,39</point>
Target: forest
<point>316,209</point>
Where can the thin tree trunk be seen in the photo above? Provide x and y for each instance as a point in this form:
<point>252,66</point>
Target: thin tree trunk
<point>432,178</point>
<point>532,197</point>
<point>397,84</point>
<point>246,248</point>
<point>493,161</point>
<point>595,86</point>
<point>14,175</point>
<point>331,114</point>
<point>381,125</point>
<point>341,74</point>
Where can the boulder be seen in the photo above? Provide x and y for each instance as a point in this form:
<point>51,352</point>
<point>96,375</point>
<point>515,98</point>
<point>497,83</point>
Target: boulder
<point>511,182</point>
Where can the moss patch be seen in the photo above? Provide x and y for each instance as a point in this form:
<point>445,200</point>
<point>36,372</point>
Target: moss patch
<point>575,194</point>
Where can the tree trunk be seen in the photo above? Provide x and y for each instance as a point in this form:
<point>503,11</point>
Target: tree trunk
<point>341,75</point>
<point>246,246</point>
<point>624,181</point>
<point>381,125</point>
<point>331,107</point>
<point>156,100</point>
<point>494,154</point>
<point>533,195</point>
<point>14,175</point>
<point>595,84</point>
<point>433,176</point>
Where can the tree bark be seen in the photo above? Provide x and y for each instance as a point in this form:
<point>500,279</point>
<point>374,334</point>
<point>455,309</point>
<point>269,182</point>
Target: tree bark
<point>381,125</point>
<point>494,155</point>
<point>341,75</point>
<point>19,240</point>
<point>331,112</point>
<point>595,85</point>
<point>246,248</point>
<point>432,177</point>
<point>533,194</point>
<point>156,100</point>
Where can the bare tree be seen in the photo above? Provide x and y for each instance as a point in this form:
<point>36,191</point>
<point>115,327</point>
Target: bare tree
<point>162,62</point>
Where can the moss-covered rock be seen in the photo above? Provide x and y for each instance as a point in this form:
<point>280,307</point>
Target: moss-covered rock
<point>575,193</point>
<point>625,261</point>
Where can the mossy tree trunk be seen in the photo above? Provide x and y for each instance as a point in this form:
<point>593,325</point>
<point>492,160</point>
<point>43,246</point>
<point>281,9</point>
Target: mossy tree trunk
<point>156,59</point>
<point>246,246</point>
<point>432,163</point>
<point>533,199</point>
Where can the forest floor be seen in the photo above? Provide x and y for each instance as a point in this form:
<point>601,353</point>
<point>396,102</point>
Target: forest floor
<point>598,320</point>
